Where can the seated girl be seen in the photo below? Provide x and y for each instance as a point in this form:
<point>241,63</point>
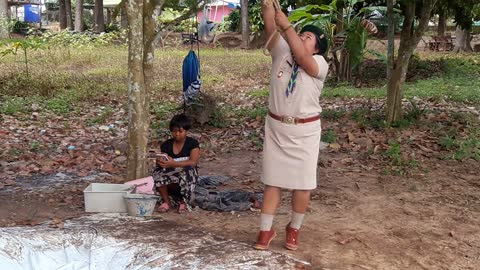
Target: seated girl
<point>176,172</point>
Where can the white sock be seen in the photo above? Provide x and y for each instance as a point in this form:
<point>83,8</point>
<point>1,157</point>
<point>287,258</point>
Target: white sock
<point>266,221</point>
<point>297,220</point>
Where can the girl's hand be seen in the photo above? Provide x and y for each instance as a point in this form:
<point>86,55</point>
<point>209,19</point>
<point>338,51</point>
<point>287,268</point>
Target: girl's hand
<point>166,163</point>
<point>281,20</point>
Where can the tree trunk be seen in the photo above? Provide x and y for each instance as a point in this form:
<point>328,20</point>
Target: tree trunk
<point>68,14</point>
<point>123,18</point>
<point>409,39</point>
<point>462,40</point>
<point>4,32</point>
<point>258,40</point>
<point>245,24</point>
<point>137,96</point>
<point>62,14</point>
<point>342,65</point>
<point>99,17</point>
<point>390,38</point>
<point>339,24</point>
<point>336,64</point>
<point>79,15</point>
<point>140,70</point>
<point>109,16</point>
<point>394,96</point>
<point>442,23</point>
<point>344,72</point>
<point>148,56</point>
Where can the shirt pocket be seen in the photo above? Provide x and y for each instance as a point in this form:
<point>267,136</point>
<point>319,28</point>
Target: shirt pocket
<point>284,70</point>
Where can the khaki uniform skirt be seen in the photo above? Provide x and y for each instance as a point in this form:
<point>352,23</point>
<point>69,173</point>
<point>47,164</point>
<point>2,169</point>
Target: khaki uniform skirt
<point>290,154</point>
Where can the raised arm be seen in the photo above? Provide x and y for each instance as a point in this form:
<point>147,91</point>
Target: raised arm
<point>303,58</point>
<point>268,16</point>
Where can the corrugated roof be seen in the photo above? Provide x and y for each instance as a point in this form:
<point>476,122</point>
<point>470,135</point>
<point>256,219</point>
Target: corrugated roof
<point>110,3</point>
<point>224,2</point>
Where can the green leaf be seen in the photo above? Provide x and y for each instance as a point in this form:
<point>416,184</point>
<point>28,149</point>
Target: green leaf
<point>303,12</point>
<point>296,16</point>
<point>356,42</point>
<point>353,2</point>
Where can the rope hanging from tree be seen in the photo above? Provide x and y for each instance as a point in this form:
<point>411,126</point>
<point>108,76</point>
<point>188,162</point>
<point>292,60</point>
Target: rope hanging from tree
<point>276,6</point>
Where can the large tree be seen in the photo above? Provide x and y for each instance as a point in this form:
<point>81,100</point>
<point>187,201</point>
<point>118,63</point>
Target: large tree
<point>464,11</point>
<point>99,16</point>
<point>140,63</point>
<point>410,36</point>
<point>79,15</point>
<point>3,19</point>
<point>245,24</point>
<point>140,69</point>
<point>390,38</point>
<point>68,14</point>
<point>62,16</point>
<point>442,9</point>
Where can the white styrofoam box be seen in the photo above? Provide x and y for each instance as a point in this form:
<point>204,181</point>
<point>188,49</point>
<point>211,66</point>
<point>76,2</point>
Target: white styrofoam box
<point>106,198</point>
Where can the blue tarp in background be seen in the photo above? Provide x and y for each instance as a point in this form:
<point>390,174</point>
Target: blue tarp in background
<point>32,13</point>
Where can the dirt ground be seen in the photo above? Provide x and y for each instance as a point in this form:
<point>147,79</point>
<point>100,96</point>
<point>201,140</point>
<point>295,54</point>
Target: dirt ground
<point>358,218</point>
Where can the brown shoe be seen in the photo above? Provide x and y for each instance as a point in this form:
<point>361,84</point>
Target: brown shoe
<point>264,239</point>
<point>291,241</point>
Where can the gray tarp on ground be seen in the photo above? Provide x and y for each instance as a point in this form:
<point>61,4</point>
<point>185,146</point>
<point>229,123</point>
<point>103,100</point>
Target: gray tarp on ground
<point>207,197</point>
<point>118,242</point>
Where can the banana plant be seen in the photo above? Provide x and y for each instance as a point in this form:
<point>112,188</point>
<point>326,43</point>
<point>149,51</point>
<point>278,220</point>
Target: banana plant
<point>350,42</point>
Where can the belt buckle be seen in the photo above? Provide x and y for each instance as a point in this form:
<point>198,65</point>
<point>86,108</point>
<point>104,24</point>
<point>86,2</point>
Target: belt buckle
<point>288,120</point>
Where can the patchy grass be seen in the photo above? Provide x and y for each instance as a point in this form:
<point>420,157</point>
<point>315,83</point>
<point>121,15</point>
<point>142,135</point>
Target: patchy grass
<point>458,82</point>
<point>59,81</point>
<point>259,93</point>
<point>13,105</point>
<point>255,138</point>
<point>252,113</point>
<point>102,117</point>
<point>462,147</point>
<point>329,136</point>
<point>347,90</point>
<point>369,118</point>
<point>398,163</point>
<point>219,118</point>
<point>330,114</point>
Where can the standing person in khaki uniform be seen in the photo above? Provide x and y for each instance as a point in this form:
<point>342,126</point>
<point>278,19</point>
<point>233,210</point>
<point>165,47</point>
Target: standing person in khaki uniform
<point>292,127</point>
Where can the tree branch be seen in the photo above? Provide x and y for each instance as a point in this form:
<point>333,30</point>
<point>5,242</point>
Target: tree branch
<point>425,15</point>
<point>185,16</point>
<point>407,29</point>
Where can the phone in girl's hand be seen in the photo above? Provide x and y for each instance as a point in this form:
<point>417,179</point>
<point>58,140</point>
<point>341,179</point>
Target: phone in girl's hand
<point>162,156</point>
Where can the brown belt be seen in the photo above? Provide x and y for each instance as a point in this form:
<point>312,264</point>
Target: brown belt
<point>293,120</point>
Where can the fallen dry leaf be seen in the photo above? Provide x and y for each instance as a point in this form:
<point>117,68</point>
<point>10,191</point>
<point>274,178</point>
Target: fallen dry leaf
<point>351,137</point>
<point>57,223</point>
<point>346,240</point>
<point>9,182</point>
<point>299,265</point>
<point>334,146</point>
<point>423,148</point>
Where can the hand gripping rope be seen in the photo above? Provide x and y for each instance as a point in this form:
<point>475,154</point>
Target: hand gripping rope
<point>277,6</point>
